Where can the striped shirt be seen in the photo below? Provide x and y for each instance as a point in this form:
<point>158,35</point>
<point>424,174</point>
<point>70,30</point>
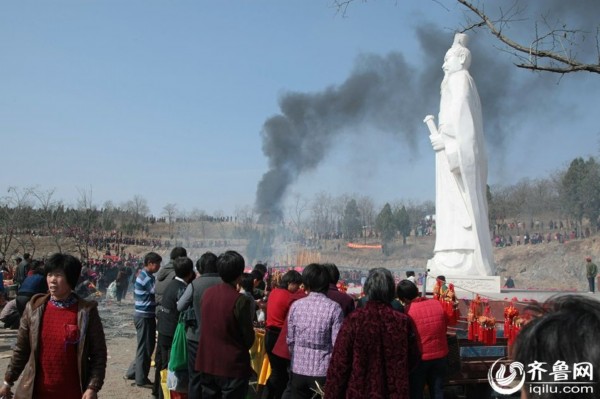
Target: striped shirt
<point>145,301</point>
<point>313,325</point>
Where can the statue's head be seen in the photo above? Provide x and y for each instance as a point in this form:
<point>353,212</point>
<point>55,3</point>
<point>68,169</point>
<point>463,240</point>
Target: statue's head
<point>458,57</point>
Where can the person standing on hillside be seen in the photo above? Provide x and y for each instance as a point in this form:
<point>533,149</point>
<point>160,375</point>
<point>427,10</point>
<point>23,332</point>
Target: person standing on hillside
<point>371,357</point>
<point>345,301</point>
<point>145,321</point>
<point>34,284</point>
<point>510,283</point>
<point>167,273</point>
<point>22,269</point>
<point>431,323</point>
<point>121,282</point>
<point>226,334</point>
<point>167,315</point>
<point>313,326</point>
<point>209,276</point>
<point>591,272</point>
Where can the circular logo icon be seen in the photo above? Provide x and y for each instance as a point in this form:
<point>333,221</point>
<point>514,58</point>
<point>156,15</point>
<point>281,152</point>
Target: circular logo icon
<point>503,383</point>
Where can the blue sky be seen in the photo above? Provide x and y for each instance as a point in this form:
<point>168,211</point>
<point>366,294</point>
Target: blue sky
<point>167,100</point>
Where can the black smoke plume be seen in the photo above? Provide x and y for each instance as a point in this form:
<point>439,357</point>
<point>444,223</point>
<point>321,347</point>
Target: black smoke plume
<point>381,93</point>
<point>386,93</point>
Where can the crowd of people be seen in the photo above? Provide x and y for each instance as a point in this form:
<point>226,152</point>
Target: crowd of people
<point>106,278</point>
<point>392,343</point>
<point>503,240</point>
<point>316,337</point>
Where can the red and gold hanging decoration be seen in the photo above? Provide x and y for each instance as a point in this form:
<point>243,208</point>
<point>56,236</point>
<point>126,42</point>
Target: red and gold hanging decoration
<point>517,324</point>
<point>475,310</point>
<point>487,328</point>
<point>447,297</point>
<point>510,313</point>
<point>342,286</point>
<point>437,289</point>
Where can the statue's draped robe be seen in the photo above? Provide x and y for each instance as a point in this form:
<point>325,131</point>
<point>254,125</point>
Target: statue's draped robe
<point>463,243</point>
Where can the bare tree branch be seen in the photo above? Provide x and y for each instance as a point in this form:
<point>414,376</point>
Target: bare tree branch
<point>548,52</point>
<point>342,6</point>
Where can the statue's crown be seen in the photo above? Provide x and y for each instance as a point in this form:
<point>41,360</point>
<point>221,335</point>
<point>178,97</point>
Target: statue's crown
<point>460,39</point>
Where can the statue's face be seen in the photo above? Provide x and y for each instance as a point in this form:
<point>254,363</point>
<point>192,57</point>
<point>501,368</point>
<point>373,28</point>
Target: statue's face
<point>452,62</point>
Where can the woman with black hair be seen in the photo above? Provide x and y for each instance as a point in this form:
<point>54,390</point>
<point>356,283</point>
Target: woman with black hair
<point>430,323</point>
<point>278,306</point>
<point>313,326</point>
<point>60,347</point>
<point>371,357</point>
<point>564,329</point>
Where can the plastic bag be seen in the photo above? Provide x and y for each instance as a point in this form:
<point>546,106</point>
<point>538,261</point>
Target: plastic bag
<point>178,381</point>
<point>178,359</point>
<point>111,291</point>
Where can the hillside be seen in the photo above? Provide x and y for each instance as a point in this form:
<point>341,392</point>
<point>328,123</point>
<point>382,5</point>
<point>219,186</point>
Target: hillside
<point>546,266</point>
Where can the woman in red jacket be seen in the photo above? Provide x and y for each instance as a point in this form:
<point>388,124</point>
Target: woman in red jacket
<point>278,305</point>
<point>431,323</point>
<point>60,351</point>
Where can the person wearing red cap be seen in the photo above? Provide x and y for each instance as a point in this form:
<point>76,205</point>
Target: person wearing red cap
<point>591,272</point>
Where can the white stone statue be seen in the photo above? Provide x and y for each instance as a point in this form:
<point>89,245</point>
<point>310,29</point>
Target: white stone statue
<point>463,243</point>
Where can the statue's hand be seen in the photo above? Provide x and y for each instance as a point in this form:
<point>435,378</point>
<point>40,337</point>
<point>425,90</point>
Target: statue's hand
<point>437,142</point>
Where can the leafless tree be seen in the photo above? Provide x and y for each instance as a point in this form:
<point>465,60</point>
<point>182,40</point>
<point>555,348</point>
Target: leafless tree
<point>51,213</point>
<point>138,210</point>
<point>197,214</point>
<point>170,211</point>
<point>300,205</point>
<point>200,215</point>
<point>15,212</point>
<point>246,219</point>
<point>84,221</point>
<point>321,214</point>
<point>109,214</point>
<point>526,201</point>
<point>554,47</point>
<point>366,207</point>
<point>338,207</point>
<point>219,215</point>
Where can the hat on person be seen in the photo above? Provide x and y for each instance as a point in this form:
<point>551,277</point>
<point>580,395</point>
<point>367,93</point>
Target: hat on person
<point>588,259</point>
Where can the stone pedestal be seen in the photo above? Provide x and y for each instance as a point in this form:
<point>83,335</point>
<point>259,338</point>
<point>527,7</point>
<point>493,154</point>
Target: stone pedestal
<point>466,286</point>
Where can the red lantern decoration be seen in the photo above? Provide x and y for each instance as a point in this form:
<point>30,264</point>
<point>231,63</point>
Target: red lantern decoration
<point>487,328</point>
<point>510,312</point>
<point>472,317</point>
